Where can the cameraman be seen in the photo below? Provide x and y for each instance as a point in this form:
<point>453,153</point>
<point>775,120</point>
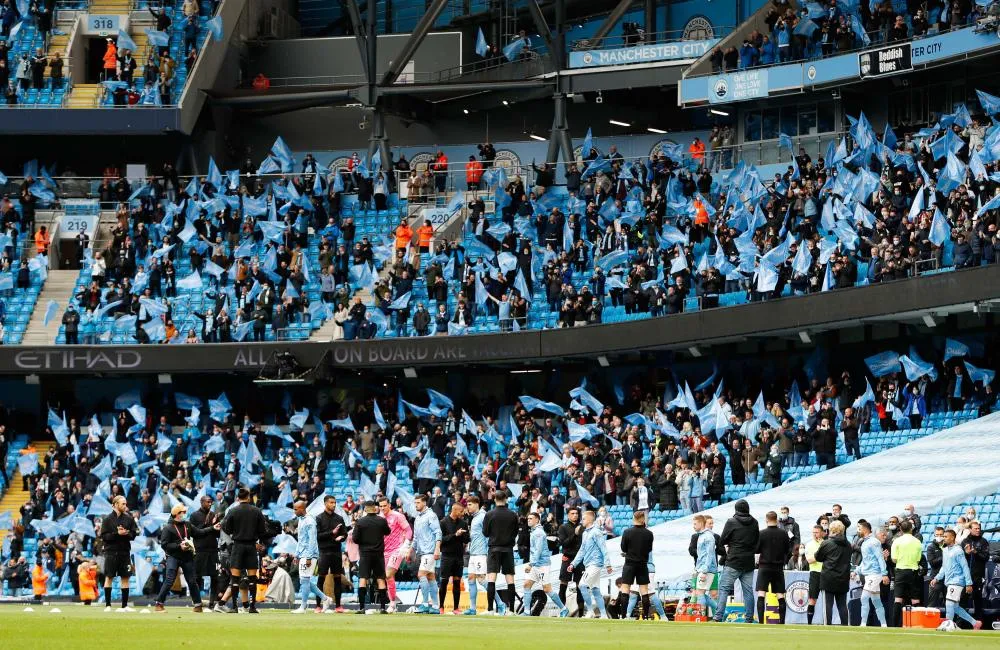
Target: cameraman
<point>487,154</point>
<point>176,538</point>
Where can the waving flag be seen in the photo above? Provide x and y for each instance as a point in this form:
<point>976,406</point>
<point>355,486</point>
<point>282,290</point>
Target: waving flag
<point>953,348</point>
<point>915,369</point>
<point>192,281</point>
<point>940,230</point>
<point>514,49</point>
<point>158,39</point>
<point>428,468</point>
<point>401,302</point>
<point>883,363</point>
<point>440,400</point>
<point>50,311</point>
<point>867,397</point>
<point>586,495</point>
<point>580,393</point>
<point>990,103</point>
<point>27,464</point>
<point>531,404</point>
<point>125,41</point>
<point>588,143</point>
<point>482,49</point>
<point>215,28</point>
<point>980,375</point>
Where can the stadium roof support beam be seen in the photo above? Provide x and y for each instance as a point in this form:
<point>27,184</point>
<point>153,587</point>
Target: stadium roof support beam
<point>559,140</point>
<point>320,97</point>
<point>612,19</point>
<point>544,31</point>
<point>359,32</point>
<point>414,41</point>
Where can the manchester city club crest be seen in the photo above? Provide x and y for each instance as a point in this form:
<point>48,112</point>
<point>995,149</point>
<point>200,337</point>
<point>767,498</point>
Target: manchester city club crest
<point>421,161</point>
<point>337,164</point>
<point>588,58</point>
<point>866,63</point>
<point>797,596</point>
<point>811,72</point>
<point>721,88</point>
<point>510,161</point>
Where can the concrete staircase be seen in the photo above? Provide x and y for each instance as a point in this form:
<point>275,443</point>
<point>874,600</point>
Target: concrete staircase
<point>59,287</point>
<point>16,496</point>
<point>84,96</point>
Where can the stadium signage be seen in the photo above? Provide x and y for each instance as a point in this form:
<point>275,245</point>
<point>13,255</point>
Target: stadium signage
<point>76,359</point>
<point>641,54</point>
<point>887,60</point>
<point>738,86</point>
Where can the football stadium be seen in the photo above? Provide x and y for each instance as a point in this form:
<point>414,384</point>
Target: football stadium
<point>384,319</point>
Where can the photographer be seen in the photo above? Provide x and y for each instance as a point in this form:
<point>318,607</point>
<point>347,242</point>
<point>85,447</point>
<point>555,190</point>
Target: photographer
<point>176,538</point>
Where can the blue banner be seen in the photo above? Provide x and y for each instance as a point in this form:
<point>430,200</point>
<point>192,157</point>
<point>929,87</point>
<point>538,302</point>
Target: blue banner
<point>738,86</point>
<point>641,54</point>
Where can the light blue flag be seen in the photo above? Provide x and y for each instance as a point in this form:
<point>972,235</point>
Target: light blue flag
<point>440,399</point>
<point>242,330</point>
<point>514,49</point>
<point>156,330</point>
<point>613,259</point>
<point>215,28</point>
<point>125,41</point>
<point>158,39</point>
<point>940,230</point>
<point>281,151</point>
<point>953,348</point>
<point>531,404</point>
<point>154,308</point>
<point>828,281</point>
<point>428,468</point>
<point>482,49</point>
<point>192,281</point>
<point>454,329</point>
<point>298,420</point>
<point>6,281</point>
<point>345,424</point>
<point>215,444</point>
<point>27,464</point>
<point>767,277</point>
<point>401,302</point>
<point>883,363</point>
<point>99,506</point>
<point>50,311</point>
<point>213,269</point>
<point>6,520</point>
<point>580,393</point>
<point>868,397</point>
<point>990,103</point>
<point>138,413</point>
<point>588,143</point>
<point>980,375</point>
<point>102,470</point>
<point>914,369</point>
<point>785,142</point>
<point>586,495</point>
<point>581,432</point>
<point>377,413</point>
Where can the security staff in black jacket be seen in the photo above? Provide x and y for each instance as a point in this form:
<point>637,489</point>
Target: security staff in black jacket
<point>369,534</point>
<point>117,532</point>
<point>454,536</point>
<point>570,536</point>
<point>177,538</point>
<point>500,527</point>
<point>637,544</point>
<point>774,547</point>
<point>245,523</point>
<point>331,531</point>
<point>206,544</point>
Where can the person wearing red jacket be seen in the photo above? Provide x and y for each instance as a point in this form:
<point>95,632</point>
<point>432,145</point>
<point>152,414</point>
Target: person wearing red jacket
<point>440,167</point>
<point>473,173</point>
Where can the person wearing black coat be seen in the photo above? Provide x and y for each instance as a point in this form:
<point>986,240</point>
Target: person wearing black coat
<point>774,548</point>
<point>177,539</point>
<point>835,577</point>
<point>740,537</point>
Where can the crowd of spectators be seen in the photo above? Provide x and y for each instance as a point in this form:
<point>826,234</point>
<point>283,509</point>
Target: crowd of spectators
<point>825,28</point>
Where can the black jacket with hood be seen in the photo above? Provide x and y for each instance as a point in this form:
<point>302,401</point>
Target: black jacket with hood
<point>740,538</point>
<point>835,554</point>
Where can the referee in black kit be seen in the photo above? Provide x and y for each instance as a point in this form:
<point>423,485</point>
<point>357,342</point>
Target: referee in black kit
<point>500,527</point>
<point>774,547</point>
<point>331,530</point>
<point>117,532</point>
<point>245,523</point>
<point>369,534</point>
<point>637,544</point>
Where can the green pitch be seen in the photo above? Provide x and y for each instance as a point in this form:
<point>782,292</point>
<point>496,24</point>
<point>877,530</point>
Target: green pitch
<point>89,627</point>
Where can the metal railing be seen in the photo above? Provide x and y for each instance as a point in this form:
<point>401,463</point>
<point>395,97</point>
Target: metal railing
<point>876,41</point>
<point>655,38</point>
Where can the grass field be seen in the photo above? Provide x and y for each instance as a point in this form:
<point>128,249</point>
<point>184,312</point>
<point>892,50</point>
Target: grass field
<point>89,627</point>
